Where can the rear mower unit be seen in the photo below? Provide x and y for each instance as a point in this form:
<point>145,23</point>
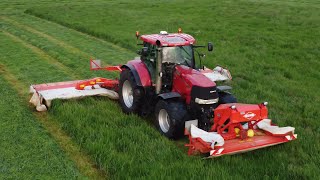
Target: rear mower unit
<point>183,96</point>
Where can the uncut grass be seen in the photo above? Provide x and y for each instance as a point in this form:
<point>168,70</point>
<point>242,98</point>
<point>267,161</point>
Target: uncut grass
<point>129,146</point>
<point>267,46</point>
<point>27,150</point>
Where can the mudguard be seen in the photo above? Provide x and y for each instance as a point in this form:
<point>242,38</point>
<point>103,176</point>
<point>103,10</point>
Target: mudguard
<point>140,72</point>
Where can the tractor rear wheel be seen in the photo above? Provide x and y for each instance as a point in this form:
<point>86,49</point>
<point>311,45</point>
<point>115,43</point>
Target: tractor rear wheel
<point>130,96</point>
<point>170,118</point>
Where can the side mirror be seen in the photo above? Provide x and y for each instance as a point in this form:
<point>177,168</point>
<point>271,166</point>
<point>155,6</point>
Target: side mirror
<point>144,51</point>
<point>210,46</point>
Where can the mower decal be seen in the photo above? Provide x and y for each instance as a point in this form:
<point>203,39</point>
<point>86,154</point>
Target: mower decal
<point>249,115</point>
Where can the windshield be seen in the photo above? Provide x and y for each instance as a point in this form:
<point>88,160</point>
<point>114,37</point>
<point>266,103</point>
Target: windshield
<point>177,55</point>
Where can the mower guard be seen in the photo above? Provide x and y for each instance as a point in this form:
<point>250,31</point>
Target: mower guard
<point>244,118</point>
<point>43,94</point>
<point>237,145</point>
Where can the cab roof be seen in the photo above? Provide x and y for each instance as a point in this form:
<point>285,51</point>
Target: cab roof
<point>169,39</point>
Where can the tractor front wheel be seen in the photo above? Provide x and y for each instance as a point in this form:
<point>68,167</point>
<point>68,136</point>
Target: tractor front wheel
<point>170,118</point>
<point>130,96</point>
<point>225,98</point>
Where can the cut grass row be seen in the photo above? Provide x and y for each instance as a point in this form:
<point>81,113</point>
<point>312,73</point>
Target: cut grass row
<point>62,52</point>
<point>71,151</point>
<point>27,150</point>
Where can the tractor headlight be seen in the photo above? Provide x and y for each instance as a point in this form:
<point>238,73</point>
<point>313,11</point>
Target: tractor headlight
<point>204,101</point>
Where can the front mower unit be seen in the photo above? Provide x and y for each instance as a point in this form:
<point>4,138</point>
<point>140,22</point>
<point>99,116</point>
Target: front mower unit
<point>244,127</point>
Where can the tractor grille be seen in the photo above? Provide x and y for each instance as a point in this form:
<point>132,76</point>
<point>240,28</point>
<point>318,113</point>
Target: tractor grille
<point>204,92</point>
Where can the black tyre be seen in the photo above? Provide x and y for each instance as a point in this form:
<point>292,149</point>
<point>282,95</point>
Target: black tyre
<point>130,94</point>
<point>225,98</point>
<point>170,118</point>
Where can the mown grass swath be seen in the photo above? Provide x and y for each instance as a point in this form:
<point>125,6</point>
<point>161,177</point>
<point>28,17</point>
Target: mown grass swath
<point>27,150</point>
<point>21,84</point>
<point>270,47</point>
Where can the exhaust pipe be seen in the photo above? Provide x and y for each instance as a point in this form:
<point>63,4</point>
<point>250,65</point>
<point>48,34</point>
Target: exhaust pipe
<point>159,71</point>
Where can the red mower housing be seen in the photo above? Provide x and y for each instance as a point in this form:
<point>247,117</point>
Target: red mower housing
<point>250,135</point>
<point>227,117</point>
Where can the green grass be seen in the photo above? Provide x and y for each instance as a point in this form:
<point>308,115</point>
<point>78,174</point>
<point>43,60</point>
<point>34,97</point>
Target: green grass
<point>267,46</point>
<point>271,48</point>
<point>27,151</point>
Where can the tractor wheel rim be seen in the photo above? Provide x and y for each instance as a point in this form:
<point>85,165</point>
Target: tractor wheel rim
<point>127,94</point>
<point>164,120</point>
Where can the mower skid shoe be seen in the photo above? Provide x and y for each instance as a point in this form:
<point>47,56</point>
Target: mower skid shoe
<point>37,102</point>
<point>235,146</point>
<point>43,94</point>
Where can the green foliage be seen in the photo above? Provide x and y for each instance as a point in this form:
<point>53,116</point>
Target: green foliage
<point>271,48</point>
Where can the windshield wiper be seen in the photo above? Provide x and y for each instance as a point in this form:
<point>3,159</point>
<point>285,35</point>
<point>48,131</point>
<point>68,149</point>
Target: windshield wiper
<point>185,59</point>
<point>184,50</point>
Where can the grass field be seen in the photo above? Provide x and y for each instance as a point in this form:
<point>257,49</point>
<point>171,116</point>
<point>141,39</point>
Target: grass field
<point>27,149</point>
<point>272,49</point>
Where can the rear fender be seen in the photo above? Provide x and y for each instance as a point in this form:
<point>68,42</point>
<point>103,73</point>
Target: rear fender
<point>140,72</point>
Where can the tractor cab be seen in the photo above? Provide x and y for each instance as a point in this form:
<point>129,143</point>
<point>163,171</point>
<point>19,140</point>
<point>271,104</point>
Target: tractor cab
<point>178,55</point>
<point>176,48</point>
<point>162,52</point>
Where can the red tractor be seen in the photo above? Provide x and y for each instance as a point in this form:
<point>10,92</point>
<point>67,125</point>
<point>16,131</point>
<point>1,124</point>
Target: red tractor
<point>165,80</point>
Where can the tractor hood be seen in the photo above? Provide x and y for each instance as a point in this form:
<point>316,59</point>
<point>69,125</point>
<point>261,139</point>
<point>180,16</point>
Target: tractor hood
<point>194,77</point>
<point>195,86</point>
